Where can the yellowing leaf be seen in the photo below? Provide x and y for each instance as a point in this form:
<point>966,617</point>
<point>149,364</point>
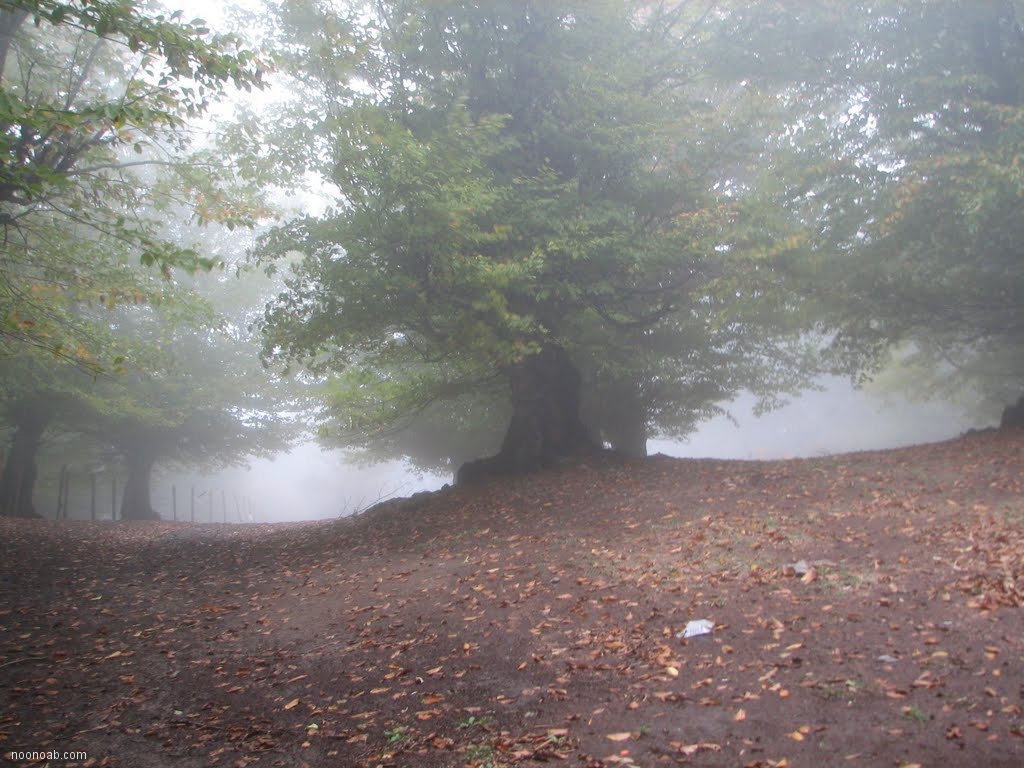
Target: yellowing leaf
<point>292,704</point>
<point>622,736</point>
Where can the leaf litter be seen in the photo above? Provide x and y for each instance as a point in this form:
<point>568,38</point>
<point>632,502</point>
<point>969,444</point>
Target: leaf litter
<point>866,612</point>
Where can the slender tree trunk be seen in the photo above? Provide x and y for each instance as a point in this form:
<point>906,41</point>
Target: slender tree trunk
<point>19,476</point>
<point>135,503</point>
<point>9,23</point>
<point>545,426</point>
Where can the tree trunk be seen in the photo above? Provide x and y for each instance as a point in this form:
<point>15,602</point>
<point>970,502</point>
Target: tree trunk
<point>19,476</point>
<point>545,425</point>
<point>624,420</point>
<point>135,504</point>
<point>9,23</point>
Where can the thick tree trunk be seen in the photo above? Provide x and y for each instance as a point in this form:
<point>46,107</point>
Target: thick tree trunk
<point>19,476</point>
<point>1013,415</point>
<point>135,504</point>
<point>545,426</point>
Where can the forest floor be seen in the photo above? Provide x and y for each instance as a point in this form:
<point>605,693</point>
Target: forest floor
<point>866,612</point>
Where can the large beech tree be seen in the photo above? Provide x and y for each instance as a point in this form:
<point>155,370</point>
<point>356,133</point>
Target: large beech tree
<point>531,196</point>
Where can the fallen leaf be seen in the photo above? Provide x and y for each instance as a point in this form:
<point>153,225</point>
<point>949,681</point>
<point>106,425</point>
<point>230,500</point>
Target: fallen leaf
<point>691,749</point>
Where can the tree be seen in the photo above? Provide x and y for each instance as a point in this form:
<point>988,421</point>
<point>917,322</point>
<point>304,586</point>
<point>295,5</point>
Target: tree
<point>531,194</point>
<point>913,190</point>
<point>205,401</point>
<point>94,97</point>
<point>81,85</point>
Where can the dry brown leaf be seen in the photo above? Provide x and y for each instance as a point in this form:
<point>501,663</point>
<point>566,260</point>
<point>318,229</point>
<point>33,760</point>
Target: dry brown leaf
<point>691,749</point>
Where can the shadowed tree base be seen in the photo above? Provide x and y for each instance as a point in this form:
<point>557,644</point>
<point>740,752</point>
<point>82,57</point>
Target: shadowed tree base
<point>545,427</point>
<point>135,505</point>
<point>19,476</point>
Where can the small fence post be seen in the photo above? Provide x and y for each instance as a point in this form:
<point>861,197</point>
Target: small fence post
<point>62,493</point>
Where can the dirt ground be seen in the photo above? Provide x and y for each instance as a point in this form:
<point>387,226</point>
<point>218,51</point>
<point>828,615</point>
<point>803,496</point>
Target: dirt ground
<point>866,611</point>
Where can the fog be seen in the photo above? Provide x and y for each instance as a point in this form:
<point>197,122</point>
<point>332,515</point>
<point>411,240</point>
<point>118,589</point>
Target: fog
<point>837,419</point>
<point>307,483</point>
<point>310,483</point>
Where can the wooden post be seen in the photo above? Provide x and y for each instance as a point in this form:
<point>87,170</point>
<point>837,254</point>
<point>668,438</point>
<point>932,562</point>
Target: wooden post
<point>174,503</point>
<point>192,505</point>
<point>62,478</point>
<point>113,498</point>
<point>210,495</point>
<point>16,506</point>
<point>67,490</point>
<point>92,498</point>
<point>224,505</point>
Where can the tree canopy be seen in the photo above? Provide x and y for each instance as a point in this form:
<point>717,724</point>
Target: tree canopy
<point>552,226</point>
<point>93,97</point>
<point>95,100</point>
<point>535,198</point>
<point>905,168</point>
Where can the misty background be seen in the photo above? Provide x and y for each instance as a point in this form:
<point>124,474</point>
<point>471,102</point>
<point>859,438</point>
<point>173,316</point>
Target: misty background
<point>312,483</point>
<point>908,271</point>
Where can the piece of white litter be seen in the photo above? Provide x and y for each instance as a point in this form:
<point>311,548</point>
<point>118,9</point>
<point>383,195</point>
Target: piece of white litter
<point>887,659</point>
<point>697,628</point>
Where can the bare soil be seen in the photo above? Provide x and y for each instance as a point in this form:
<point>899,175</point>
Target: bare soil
<point>866,612</point>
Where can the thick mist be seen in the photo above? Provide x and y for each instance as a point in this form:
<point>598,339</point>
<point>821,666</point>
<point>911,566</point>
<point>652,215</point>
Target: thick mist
<point>310,483</point>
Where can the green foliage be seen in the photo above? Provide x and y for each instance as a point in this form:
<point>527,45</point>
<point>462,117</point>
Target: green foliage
<point>914,191</point>
<point>96,325</point>
<point>514,177</point>
<point>93,99</point>
<point>182,56</point>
